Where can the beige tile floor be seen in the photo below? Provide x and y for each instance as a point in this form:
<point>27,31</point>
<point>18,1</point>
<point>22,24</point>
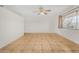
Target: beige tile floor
<point>41,43</point>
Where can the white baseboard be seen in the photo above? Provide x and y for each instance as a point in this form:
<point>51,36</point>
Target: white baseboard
<point>69,38</point>
<point>10,41</point>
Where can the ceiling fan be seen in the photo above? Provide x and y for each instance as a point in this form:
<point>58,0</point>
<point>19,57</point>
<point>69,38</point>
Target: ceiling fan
<point>42,11</point>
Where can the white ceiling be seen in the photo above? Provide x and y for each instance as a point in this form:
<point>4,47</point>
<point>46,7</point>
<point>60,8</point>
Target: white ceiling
<point>26,10</point>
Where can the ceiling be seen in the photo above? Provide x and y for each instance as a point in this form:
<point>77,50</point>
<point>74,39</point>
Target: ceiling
<point>25,10</point>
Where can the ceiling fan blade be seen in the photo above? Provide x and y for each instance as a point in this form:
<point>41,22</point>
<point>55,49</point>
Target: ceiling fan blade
<point>48,10</point>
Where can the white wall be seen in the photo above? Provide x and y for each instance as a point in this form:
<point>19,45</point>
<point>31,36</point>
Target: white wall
<point>72,35</point>
<point>49,24</point>
<point>11,26</point>
<point>39,24</point>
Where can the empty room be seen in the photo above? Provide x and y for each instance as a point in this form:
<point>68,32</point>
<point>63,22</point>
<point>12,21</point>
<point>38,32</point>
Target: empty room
<point>39,29</point>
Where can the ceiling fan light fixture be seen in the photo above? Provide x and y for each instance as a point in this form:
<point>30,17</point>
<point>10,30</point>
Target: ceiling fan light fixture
<point>42,11</point>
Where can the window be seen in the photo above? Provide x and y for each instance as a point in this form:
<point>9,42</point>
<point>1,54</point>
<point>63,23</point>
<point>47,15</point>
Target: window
<point>70,21</point>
